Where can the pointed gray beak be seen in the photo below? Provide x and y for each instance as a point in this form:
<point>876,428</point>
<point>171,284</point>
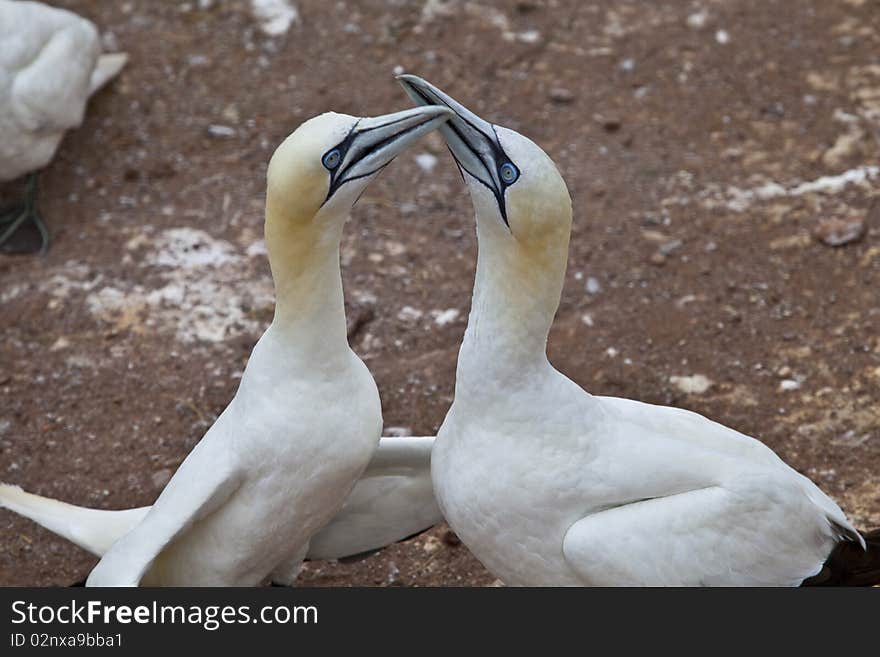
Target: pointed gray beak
<point>374,141</point>
<point>472,141</point>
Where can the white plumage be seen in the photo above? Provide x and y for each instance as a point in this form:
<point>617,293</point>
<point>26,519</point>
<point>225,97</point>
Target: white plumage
<point>279,462</point>
<point>391,501</point>
<point>50,63</point>
<point>549,485</point>
<point>281,459</point>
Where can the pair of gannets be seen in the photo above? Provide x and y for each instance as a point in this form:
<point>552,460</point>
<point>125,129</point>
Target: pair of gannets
<point>546,484</point>
<point>50,63</point>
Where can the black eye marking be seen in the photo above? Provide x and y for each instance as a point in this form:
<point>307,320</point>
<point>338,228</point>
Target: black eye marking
<point>498,155</point>
<point>340,159</point>
<point>332,158</point>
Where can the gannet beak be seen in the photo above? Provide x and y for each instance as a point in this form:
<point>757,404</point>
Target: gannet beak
<point>374,141</point>
<point>473,142</point>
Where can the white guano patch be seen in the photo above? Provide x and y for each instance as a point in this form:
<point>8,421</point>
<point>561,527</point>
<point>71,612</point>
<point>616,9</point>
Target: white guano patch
<point>739,200</point>
<point>274,16</point>
<point>444,317</point>
<point>426,162</point>
<point>206,291</point>
<point>695,384</point>
<point>189,248</point>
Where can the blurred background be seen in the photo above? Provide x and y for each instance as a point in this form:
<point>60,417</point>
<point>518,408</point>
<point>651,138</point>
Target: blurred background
<point>722,160</point>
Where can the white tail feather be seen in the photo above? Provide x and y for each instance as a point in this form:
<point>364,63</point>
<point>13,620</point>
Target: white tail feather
<point>94,530</point>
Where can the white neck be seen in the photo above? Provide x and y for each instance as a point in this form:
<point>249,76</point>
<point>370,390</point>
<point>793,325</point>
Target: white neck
<point>309,305</point>
<point>516,295</point>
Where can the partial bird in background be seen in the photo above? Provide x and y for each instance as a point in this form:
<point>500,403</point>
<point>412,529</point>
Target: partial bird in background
<point>50,64</point>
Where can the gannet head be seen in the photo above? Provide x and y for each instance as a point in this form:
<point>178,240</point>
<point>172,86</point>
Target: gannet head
<point>321,169</point>
<point>314,178</point>
<point>516,188</point>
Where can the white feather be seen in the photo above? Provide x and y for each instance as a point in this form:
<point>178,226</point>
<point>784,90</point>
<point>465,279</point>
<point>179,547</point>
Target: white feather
<point>381,509</point>
<point>50,63</point>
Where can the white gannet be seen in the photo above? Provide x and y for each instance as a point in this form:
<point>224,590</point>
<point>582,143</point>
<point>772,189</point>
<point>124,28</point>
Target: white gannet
<point>548,485</point>
<point>50,63</point>
<point>281,459</point>
<point>392,500</point>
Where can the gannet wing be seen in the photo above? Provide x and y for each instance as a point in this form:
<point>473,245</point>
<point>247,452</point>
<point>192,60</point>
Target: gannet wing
<point>759,532</point>
<point>679,448</point>
<point>401,456</point>
<point>94,530</point>
<point>392,501</point>
<point>204,481</point>
<point>380,511</point>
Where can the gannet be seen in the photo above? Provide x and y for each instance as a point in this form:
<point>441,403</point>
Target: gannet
<point>392,500</point>
<point>550,486</point>
<point>50,63</point>
<point>279,462</point>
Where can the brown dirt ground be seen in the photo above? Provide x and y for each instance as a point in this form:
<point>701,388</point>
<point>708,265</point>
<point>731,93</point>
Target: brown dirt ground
<point>655,124</point>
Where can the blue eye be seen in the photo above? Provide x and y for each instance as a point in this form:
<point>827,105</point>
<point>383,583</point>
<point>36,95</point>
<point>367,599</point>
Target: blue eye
<point>331,159</point>
<point>509,173</point>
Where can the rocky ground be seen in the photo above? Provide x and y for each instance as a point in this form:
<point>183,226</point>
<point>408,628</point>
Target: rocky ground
<point>722,157</point>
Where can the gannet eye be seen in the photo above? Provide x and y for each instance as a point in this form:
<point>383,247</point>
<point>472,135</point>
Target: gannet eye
<point>509,173</point>
<point>331,159</point>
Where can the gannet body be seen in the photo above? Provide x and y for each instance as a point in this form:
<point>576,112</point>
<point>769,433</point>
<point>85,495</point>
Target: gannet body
<point>50,63</point>
<point>550,486</point>
<point>281,459</point>
<point>392,500</point>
